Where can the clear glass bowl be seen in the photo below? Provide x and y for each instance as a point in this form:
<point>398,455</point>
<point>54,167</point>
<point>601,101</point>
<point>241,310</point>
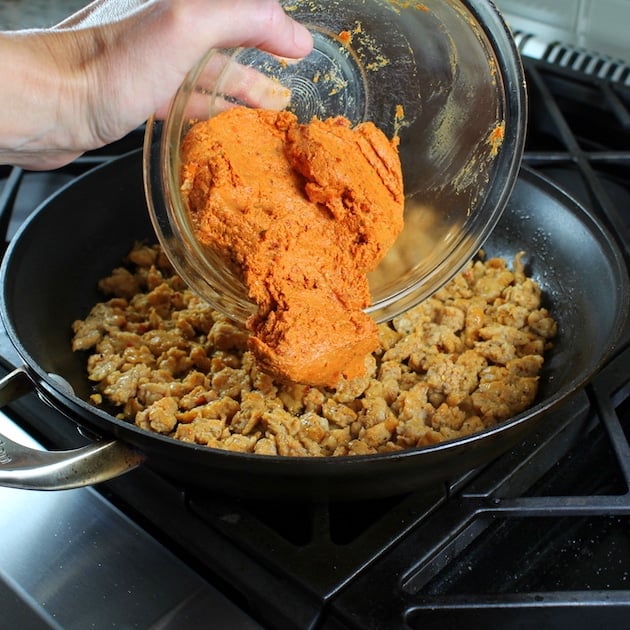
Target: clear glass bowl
<point>444,75</point>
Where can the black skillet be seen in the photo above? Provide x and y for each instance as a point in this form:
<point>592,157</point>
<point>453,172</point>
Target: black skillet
<point>77,236</point>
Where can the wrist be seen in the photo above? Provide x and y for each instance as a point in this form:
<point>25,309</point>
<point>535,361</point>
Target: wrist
<point>37,100</point>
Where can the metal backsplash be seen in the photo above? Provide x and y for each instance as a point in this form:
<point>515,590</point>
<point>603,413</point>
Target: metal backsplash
<point>586,35</point>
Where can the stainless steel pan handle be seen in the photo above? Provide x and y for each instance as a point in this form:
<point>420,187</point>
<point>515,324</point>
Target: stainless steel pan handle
<point>31,469</point>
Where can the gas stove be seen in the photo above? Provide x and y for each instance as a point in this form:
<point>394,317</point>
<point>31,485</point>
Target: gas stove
<point>538,538</point>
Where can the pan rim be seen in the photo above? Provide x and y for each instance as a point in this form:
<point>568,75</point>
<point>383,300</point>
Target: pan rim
<point>594,225</point>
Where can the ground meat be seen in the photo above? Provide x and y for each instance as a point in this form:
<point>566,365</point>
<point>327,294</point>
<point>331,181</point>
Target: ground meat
<point>463,360</point>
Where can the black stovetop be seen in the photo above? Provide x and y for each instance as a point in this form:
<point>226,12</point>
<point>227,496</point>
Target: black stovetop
<point>538,538</point>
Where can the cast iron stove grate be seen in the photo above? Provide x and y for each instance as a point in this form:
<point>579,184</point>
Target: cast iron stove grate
<point>539,537</point>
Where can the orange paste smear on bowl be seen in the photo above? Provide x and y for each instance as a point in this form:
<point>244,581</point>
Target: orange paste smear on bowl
<point>303,211</point>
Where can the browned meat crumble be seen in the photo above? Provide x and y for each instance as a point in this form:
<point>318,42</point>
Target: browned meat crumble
<point>463,360</point>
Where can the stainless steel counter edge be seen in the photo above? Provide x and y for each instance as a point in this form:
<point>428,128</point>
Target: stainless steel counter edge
<point>69,559</point>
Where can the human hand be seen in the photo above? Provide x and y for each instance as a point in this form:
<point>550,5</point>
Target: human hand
<point>102,72</point>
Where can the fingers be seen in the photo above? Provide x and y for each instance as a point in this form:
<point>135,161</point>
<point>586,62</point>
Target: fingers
<point>195,26</point>
<point>248,23</point>
<point>271,29</point>
<point>222,23</point>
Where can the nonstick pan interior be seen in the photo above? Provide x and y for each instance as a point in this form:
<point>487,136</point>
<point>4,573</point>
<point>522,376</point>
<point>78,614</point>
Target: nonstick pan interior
<point>49,279</point>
